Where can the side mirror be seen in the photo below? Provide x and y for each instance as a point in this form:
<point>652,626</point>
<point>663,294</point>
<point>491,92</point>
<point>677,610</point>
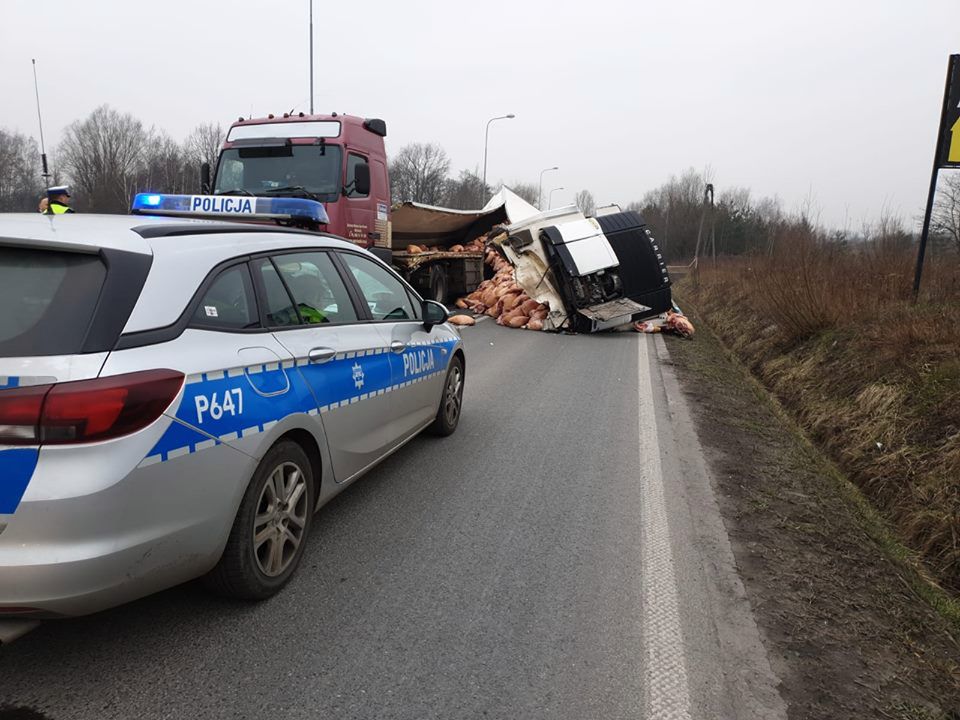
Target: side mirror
<point>433,313</point>
<point>205,179</point>
<point>361,179</point>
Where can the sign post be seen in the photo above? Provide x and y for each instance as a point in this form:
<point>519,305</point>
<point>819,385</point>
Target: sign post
<point>947,155</point>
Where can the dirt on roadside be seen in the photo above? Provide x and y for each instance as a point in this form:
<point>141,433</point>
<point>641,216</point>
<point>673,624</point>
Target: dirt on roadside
<point>844,627</point>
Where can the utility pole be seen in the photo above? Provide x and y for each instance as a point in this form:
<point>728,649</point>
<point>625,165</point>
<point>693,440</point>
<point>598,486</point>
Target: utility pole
<point>707,198</point>
<point>311,57</point>
<point>43,150</point>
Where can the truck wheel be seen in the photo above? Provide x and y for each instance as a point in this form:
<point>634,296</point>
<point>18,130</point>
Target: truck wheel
<point>271,528</point>
<point>451,402</point>
<point>438,286</point>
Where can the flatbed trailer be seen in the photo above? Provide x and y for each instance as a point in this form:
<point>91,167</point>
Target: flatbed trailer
<point>438,274</point>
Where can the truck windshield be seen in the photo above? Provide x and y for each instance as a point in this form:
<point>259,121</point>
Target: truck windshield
<point>259,170</point>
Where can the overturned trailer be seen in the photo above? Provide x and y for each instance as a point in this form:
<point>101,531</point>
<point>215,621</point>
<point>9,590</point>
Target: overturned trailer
<point>593,273</point>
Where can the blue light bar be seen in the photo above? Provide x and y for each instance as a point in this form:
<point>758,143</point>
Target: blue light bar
<point>232,206</point>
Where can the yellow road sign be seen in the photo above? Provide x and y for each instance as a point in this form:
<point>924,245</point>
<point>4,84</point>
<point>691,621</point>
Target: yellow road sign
<point>953,154</point>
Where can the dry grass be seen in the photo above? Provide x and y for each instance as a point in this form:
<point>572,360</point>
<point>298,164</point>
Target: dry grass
<point>874,378</point>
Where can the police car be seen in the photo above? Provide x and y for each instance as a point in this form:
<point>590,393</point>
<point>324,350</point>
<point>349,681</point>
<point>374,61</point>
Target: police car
<point>177,398</point>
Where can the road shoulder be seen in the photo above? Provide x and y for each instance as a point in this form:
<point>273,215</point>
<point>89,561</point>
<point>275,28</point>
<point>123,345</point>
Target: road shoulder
<point>845,633</point>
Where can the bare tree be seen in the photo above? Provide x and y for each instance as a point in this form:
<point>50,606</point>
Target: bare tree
<point>103,156</point>
<point>419,173</point>
<point>203,144</point>
<point>584,201</point>
<point>166,167</point>
<point>946,213</point>
<point>528,191</point>
<point>461,193</point>
<point>20,186</point>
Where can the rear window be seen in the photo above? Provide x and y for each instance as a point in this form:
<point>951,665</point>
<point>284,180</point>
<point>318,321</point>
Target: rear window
<point>48,299</point>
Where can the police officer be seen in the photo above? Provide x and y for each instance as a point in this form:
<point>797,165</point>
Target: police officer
<point>59,200</point>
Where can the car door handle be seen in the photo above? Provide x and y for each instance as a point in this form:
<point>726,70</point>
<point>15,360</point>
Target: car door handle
<point>397,346</point>
<point>321,354</point>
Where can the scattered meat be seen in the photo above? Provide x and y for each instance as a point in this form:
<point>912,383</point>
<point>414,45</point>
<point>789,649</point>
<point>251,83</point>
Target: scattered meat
<point>414,249</point>
<point>500,297</point>
<point>462,320</point>
<point>670,321</point>
<point>679,324</point>
<point>510,301</point>
<point>529,306</point>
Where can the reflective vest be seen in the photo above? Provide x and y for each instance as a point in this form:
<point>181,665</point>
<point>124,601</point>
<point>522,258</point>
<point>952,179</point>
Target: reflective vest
<point>55,208</point>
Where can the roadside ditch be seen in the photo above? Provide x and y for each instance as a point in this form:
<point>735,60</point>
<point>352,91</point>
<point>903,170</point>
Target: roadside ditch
<point>846,613</point>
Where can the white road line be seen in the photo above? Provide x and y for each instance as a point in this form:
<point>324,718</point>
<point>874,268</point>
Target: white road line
<point>668,694</point>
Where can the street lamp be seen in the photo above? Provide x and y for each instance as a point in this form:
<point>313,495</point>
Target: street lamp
<point>486,137</point>
<point>540,187</point>
<point>550,196</point>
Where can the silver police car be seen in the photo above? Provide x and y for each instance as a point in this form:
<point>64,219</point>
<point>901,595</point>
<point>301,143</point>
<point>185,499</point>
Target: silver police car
<point>177,398</point>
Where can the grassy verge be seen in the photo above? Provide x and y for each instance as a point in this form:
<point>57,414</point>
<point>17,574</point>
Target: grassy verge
<point>874,524</point>
<point>873,379</point>
<point>852,625</point>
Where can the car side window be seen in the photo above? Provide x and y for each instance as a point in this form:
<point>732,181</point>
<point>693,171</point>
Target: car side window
<point>352,162</point>
<point>229,302</point>
<point>278,307</point>
<point>317,288</point>
<point>415,302</point>
<point>382,291</point>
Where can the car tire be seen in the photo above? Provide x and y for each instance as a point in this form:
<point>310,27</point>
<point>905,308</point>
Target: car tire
<point>451,401</point>
<point>270,530</point>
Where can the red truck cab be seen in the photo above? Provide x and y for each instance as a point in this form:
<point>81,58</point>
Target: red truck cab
<point>339,160</point>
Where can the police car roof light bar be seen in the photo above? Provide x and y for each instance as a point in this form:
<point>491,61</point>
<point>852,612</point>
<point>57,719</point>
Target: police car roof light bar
<point>241,207</point>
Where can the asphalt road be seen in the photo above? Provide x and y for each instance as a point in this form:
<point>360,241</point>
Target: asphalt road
<point>561,556</point>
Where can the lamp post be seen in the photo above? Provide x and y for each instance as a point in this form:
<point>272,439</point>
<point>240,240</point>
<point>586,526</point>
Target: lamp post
<point>540,187</point>
<point>486,137</point>
<point>550,196</point>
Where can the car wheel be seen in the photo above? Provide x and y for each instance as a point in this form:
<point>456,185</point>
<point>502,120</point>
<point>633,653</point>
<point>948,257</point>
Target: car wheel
<point>271,527</point>
<point>451,402</point>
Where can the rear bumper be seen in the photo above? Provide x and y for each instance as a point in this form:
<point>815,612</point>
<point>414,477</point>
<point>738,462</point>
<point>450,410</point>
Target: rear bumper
<point>114,570</point>
<point>158,526</point>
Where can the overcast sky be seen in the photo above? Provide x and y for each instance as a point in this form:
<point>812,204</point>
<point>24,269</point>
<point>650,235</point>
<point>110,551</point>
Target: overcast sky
<point>838,99</point>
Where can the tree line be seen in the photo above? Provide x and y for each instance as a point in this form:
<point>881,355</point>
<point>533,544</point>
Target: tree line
<point>109,156</point>
<point>106,158</point>
<point>739,223</point>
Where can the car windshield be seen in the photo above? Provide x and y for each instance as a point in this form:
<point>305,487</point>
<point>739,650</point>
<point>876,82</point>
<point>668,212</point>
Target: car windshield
<point>304,170</point>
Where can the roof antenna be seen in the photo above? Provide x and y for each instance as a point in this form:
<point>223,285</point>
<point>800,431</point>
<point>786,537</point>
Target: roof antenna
<point>43,150</point>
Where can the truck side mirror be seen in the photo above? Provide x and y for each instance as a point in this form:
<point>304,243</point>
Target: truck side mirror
<point>361,179</point>
<point>205,179</point>
<point>433,313</point>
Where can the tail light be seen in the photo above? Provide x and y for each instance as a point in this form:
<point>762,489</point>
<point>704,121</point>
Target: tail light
<point>86,410</point>
<point>20,410</point>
